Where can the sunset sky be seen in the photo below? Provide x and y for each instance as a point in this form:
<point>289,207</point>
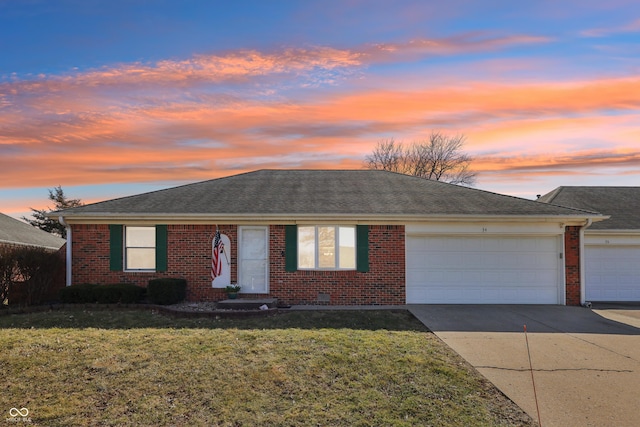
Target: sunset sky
<point>113,98</point>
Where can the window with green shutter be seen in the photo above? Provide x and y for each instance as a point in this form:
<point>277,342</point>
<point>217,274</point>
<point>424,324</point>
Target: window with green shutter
<point>327,247</point>
<point>362,245</point>
<point>136,248</point>
<point>291,247</point>
<point>161,248</point>
<point>115,247</point>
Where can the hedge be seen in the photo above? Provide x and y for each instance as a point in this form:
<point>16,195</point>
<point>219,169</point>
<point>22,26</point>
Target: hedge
<point>124,293</point>
<point>77,294</point>
<point>29,275</point>
<point>166,291</point>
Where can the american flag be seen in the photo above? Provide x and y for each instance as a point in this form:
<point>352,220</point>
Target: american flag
<point>216,258</point>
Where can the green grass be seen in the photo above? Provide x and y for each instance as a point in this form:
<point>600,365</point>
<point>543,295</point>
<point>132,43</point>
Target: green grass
<point>366,368</point>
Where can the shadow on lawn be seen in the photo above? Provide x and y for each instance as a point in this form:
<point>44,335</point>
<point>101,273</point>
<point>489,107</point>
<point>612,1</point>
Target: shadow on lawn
<point>391,320</point>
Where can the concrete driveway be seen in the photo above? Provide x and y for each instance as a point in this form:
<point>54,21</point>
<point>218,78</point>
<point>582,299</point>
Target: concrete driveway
<point>586,363</point>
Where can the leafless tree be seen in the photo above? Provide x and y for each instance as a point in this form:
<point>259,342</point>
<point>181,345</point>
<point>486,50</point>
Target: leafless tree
<point>440,158</point>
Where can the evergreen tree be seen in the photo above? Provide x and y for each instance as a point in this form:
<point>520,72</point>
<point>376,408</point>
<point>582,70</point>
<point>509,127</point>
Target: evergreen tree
<point>43,222</point>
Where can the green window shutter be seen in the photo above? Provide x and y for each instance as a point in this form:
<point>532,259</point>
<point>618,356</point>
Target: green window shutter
<point>161,248</point>
<point>115,247</point>
<point>362,248</point>
<point>290,247</point>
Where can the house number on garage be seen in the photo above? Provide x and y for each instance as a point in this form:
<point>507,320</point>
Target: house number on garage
<point>484,230</point>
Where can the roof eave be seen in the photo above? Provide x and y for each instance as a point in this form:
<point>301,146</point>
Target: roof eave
<point>613,231</point>
<point>166,218</point>
<point>35,245</point>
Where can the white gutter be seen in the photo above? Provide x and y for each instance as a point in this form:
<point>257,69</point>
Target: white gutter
<point>164,218</point>
<point>582,263</point>
<point>68,257</point>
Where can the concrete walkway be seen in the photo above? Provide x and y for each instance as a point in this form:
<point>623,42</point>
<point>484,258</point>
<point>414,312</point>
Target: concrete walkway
<point>586,364</point>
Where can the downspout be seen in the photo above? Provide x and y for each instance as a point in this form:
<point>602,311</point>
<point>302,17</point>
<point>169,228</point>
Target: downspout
<point>68,257</point>
<point>582,263</point>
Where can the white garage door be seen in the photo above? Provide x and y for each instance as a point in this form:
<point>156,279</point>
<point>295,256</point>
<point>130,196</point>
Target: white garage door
<point>483,270</point>
<point>612,273</point>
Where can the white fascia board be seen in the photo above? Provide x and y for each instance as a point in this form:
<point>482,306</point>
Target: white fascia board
<point>242,219</point>
<point>486,228</point>
<point>619,232</point>
<point>612,237</point>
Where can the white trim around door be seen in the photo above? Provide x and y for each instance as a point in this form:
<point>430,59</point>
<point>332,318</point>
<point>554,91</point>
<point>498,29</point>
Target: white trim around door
<point>253,259</point>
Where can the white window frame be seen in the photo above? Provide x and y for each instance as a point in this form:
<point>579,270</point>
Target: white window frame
<point>126,248</point>
<point>336,267</point>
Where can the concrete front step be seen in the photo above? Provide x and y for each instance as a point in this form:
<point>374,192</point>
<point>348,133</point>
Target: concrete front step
<point>247,304</point>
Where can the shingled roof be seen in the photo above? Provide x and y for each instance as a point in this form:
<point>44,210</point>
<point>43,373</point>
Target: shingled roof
<point>622,204</point>
<point>318,193</point>
<point>16,232</point>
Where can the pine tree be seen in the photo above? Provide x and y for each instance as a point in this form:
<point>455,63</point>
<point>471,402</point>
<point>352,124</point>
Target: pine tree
<point>43,222</point>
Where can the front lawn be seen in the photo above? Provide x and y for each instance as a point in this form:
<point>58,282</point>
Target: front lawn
<point>332,368</point>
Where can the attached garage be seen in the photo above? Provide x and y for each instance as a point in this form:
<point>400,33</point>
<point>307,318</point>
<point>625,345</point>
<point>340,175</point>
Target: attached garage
<point>611,247</point>
<point>612,273</point>
<point>484,269</point>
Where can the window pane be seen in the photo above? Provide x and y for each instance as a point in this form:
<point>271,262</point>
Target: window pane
<point>254,244</point>
<point>326,247</point>
<point>306,247</point>
<point>141,259</point>
<point>141,237</point>
<point>347,239</point>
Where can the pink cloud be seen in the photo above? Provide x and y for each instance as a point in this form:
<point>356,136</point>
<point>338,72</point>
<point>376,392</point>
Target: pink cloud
<point>462,43</point>
<point>146,122</point>
<point>239,66</point>
<point>547,163</point>
<point>632,27</point>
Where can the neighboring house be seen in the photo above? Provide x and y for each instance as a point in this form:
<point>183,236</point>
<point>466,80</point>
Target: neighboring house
<point>612,247</point>
<point>349,237</point>
<point>15,233</point>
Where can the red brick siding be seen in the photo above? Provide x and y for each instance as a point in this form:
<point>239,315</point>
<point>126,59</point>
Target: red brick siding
<point>384,283</point>
<point>572,265</point>
<point>189,257</point>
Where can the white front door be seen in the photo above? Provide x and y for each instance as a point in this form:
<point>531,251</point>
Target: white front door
<point>253,259</point>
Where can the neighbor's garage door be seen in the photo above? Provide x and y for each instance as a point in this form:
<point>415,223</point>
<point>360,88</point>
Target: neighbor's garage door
<point>612,273</point>
<point>483,270</point>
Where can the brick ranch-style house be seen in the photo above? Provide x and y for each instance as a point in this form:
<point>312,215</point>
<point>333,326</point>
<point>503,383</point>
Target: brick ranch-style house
<point>346,237</point>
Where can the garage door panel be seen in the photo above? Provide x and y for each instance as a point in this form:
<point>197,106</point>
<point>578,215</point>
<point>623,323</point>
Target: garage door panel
<point>475,245</point>
<point>445,261</point>
<point>482,295</point>
<point>415,245</point>
<point>612,273</point>
<point>492,269</point>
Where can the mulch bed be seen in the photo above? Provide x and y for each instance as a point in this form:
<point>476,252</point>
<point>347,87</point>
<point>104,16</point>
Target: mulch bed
<point>183,310</point>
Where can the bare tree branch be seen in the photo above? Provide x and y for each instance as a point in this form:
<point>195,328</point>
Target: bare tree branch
<point>386,156</point>
<point>440,158</point>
